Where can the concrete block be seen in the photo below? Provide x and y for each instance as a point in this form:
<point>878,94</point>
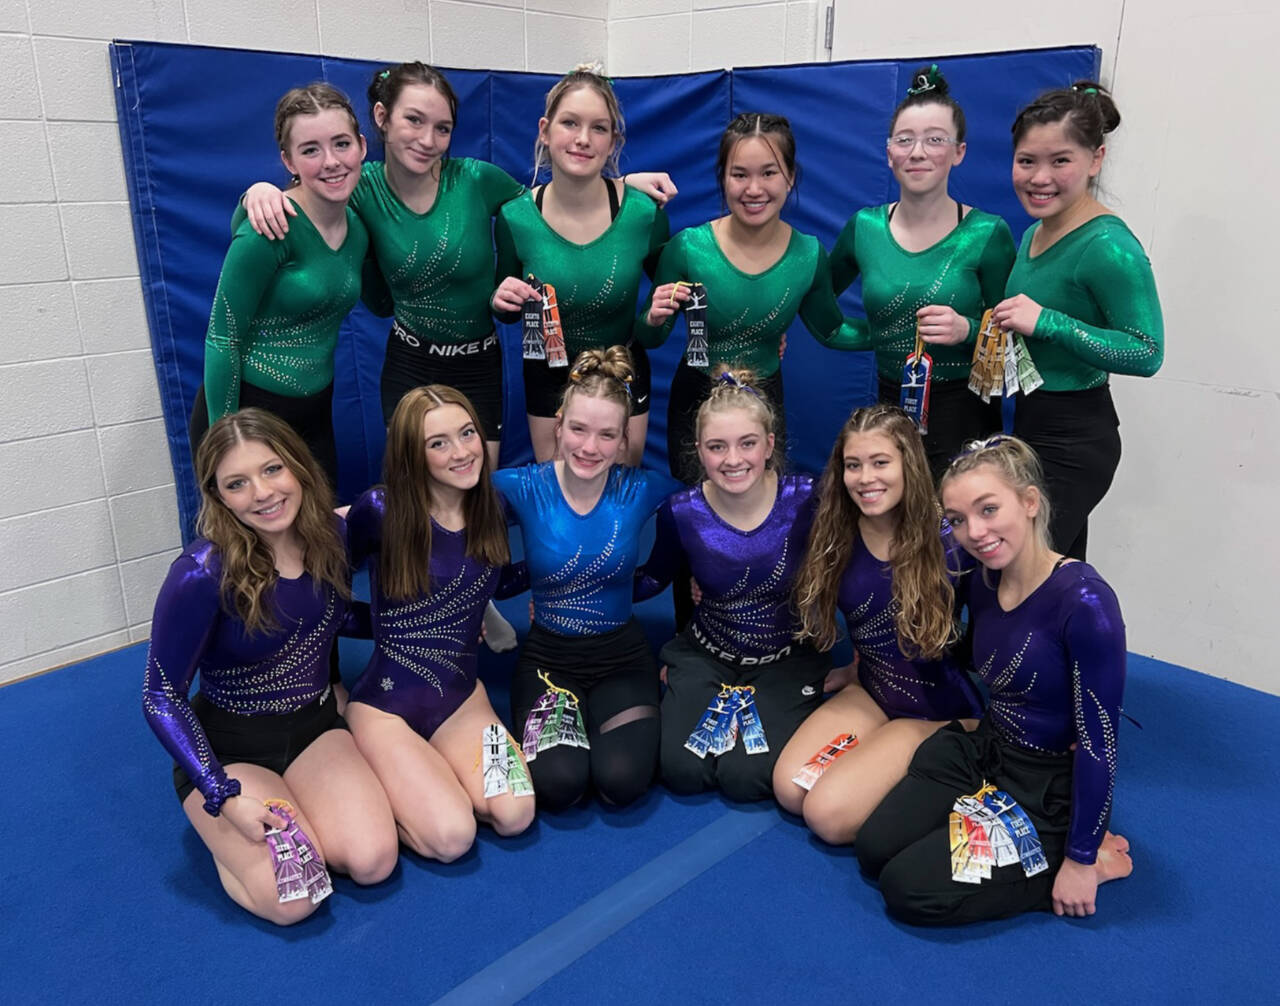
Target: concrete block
<point>467,35</point>
<point>19,91</point>
<point>49,472</point>
<point>50,659</point>
<point>124,387</point>
<point>75,80</point>
<point>56,543</point>
<point>155,20</point>
<point>598,9</point>
<point>142,579</point>
<point>137,634</point>
<point>288,25</point>
<point>56,614</point>
<point>558,44</point>
<point>387,30</point>
<point>146,522</point>
<point>32,251</point>
<point>645,45</point>
<point>13,16</point>
<point>99,238</point>
<point>112,315</point>
<point>88,164</point>
<point>135,456</point>
<point>41,399</point>
<point>619,9</point>
<point>720,4</point>
<point>738,36</point>
<point>29,179</point>
<point>802,33</point>
<point>39,323</point>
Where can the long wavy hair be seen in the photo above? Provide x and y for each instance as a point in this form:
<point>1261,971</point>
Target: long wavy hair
<point>248,564</point>
<point>923,597</point>
<point>404,563</point>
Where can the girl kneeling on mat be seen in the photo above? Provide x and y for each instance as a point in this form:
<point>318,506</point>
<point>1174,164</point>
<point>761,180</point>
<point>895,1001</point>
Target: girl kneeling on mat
<point>879,553</point>
<point>738,685</point>
<point>584,694</point>
<point>1013,816</point>
<point>253,605</point>
<point>418,712</point>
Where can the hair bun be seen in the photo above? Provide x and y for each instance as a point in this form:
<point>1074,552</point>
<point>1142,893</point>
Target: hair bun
<point>1106,104</point>
<point>928,80</point>
<point>594,67</point>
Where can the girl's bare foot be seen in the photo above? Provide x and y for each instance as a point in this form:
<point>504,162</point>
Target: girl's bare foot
<point>1114,861</point>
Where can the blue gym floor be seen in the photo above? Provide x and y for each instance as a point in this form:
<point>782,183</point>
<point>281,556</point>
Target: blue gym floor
<point>110,897</point>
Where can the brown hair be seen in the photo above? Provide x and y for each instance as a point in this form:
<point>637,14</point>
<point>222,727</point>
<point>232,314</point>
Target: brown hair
<point>775,130</point>
<point>310,100</point>
<point>923,597</point>
<point>404,562</point>
<point>1017,465</point>
<point>738,388</point>
<point>602,373</point>
<point>248,563</point>
<point>388,83</point>
<point>590,75</point>
<point>1085,109</point>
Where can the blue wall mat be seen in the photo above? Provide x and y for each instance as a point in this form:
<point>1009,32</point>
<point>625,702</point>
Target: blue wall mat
<point>191,150</point>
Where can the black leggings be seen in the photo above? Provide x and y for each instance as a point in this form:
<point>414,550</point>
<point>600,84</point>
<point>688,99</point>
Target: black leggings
<point>609,674</point>
<point>787,691</point>
<point>474,368</point>
<point>956,416</point>
<point>1077,436</point>
<point>906,842</point>
<point>310,416</point>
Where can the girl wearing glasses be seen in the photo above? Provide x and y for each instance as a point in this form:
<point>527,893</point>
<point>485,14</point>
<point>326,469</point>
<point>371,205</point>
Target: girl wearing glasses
<point>929,264</point>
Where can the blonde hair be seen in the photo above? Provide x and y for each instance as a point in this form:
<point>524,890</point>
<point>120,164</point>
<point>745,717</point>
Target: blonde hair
<point>601,373</point>
<point>738,388</point>
<point>590,75</point>
<point>404,561</point>
<point>248,563</point>
<point>923,596</point>
<point>1017,466</point>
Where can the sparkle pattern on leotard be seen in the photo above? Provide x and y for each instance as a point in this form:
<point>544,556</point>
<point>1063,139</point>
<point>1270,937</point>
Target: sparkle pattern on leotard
<point>569,600</point>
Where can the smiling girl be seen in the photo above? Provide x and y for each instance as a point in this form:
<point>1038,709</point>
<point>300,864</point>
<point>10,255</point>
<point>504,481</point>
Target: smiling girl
<point>586,655</point>
<point>1082,293</point>
<point>742,532</point>
<point>253,606</point>
<point>587,236</point>
<point>439,537</point>
<point>1049,641</point>
<point>929,264</point>
<point>274,324</point>
<point>759,274</point>
<point>880,555</point>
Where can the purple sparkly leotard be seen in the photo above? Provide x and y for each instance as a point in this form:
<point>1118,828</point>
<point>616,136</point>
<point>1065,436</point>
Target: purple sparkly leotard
<point>919,689</point>
<point>1056,665</point>
<point>745,576</point>
<point>270,673</point>
<point>581,566</point>
<point>424,659</point>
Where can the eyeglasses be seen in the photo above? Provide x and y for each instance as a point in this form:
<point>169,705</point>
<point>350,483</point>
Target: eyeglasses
<point>934,142</point>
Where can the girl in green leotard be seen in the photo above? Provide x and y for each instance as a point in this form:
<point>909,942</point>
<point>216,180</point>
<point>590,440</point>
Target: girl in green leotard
<point>928,262</point>
<point>276,312</point>
<point>588,238</point>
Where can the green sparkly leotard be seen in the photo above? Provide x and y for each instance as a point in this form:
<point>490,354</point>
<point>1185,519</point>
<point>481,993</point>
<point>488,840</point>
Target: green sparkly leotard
<point>438,265</point>
<point>747,314</point>
<point>965,271</point>
<point>597,283</point>
<point>1100,311</point>
<point>277,310</point>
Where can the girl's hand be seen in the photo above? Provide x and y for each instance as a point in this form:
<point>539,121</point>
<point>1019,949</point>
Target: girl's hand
<point>667,300</point>
<point>782,346</point>
<point>1017,314</point>
<point>511,294</point>
<point>940,325</point>
<point>268,210</point>
<point>1075,890</point>
<point>656,184</point>
<point>695,592</point>
<point>662,674</point>
<point>249,816</point>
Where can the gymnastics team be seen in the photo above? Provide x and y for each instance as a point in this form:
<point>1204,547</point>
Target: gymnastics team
<point>968,752</point>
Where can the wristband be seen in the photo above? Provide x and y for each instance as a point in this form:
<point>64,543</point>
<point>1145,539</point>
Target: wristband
<point>221,794</point>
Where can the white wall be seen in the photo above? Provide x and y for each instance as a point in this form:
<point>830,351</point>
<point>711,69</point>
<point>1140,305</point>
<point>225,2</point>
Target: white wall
<point>87,515</point>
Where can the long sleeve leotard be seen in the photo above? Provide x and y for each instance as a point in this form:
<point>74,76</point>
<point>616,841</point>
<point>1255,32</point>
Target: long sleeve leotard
<point>1055,665</point>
